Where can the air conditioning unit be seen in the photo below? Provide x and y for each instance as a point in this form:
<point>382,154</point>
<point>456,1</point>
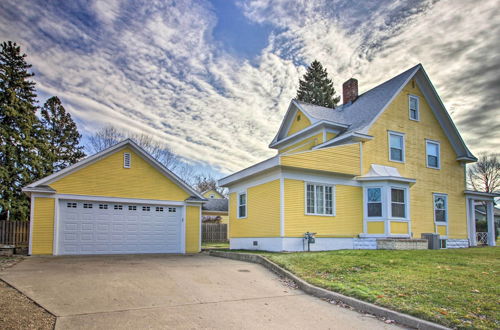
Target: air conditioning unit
<point>434,243</point>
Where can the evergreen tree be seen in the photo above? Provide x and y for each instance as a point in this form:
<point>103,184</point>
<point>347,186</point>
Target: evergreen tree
<point>316,88</point>
<point>21,133</point>
<point>62,135</point>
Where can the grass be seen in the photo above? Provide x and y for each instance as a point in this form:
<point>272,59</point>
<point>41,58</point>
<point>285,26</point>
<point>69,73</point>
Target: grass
<point>205,245</point>
<point>457,288</point>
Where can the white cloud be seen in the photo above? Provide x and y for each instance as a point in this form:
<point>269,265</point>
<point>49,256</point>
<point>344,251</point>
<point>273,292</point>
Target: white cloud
<point>157,69</point>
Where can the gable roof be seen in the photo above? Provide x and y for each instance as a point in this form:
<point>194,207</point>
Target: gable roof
<point>359,116</point>
<point>215,191</point>
<point>42,184</point>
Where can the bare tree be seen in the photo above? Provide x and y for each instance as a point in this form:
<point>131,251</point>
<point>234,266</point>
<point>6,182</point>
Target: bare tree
<point>484,175</point>
<point>205,182</point>
<point>109,136</point>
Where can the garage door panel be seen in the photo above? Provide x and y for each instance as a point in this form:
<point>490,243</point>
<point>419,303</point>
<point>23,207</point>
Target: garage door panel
<point>104,228</point>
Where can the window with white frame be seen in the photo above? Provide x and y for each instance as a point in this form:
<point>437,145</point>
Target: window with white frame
<point>432,151</point>
<point>374,202</point>
<point>398,203</point>
<point>413,104</point>
<point>396,147</point>
<point>242,205</point>
<point>440,208</point>
<point>319,199</point>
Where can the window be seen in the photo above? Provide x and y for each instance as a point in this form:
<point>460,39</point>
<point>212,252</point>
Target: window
<point>440,208</point>
<point>432,150</point>
<point>146,208</point>
<point>396,147</point>
<point>159,209</point>
<point>172,209</point>
<point>126,160</point>
<point>103,206</point>
<point>242,205</point>
<point>374,201</point>
<point>132,208</point>
<point>87,206</point>
<point>71,205</point>
<point>319,199</point>
<point>212,196</point>
<point>413,105</point>
<point>398,203</point>
<point>118,207</point>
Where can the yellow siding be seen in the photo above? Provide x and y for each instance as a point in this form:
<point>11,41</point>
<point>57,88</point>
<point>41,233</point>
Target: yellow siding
<point>299,123</point>
<point>305,144</point>
<point>340,159</point>
<point>441,230</point>
<point>107,177</point>
<point>399,228</point>
<point>449,179</point>
<point>330,135</point>
<point>192,229</point>
<point>347,222</point>
<point>376,227</point>
<point>43,226</point>
<point>263,212</point>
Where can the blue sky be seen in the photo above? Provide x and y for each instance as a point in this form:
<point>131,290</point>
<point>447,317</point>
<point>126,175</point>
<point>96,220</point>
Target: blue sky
<point>212,79</point>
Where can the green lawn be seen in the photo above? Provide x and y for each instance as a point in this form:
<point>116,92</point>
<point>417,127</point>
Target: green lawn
<point>457,288</point>
<point>205,245</point>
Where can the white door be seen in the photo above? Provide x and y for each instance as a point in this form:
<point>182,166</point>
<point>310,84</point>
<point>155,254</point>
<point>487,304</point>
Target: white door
<point>89,227</point>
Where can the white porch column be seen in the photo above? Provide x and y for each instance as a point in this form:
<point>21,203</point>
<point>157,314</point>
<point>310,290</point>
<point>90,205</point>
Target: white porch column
<point>490,219</point>
<point>471,221</point>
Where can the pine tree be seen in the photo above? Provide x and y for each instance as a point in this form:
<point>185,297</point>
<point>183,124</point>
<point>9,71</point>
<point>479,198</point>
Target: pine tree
<point>21,133</point>
<point>62,135</point>
<point>316,88</point>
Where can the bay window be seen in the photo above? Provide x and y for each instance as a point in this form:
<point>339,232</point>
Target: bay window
<point>319,199</point>
<point>374,202</point>
<point>398,203</point>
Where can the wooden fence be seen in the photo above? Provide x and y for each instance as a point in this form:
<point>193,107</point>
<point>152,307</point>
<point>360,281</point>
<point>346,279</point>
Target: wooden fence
<point>214,232</point>
<point>14,232</point>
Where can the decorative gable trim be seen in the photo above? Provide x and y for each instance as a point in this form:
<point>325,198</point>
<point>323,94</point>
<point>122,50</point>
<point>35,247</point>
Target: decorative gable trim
<point>106,152</point>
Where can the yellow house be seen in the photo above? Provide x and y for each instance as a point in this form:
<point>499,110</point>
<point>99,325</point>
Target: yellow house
<point>118,201</point>
<point>216,206</point>
<point>388,163</point>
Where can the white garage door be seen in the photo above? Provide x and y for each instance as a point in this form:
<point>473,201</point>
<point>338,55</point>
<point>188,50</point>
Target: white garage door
<point>89,227</point>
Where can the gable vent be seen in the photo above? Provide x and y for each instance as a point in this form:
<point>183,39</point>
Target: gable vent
<point>126,160</point>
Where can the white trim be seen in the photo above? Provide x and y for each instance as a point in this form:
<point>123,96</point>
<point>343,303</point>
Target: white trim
<point>282,206</point>
<point>331,179</point>
<point>238,204</point>
<point>427,142</point>
<point>412,96</point>
<point>356,136</point>
<point>383,215</point>
<point>440,223</point>
<point>403,151</point>
<point>89,160</point>
<point>32,219</point>
<point>313,129</point>
<point>115,199</point>
<point>324,185</point>
<point>183,228</point>
<point>256,181</point>
<point>249,171</point>
<point>406,204</point>
<point>55,245</point>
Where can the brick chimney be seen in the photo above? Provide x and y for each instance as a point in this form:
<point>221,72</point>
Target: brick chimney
<point>350,90</point>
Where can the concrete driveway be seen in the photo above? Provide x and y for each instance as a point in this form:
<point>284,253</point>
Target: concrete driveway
<point>166,291</point>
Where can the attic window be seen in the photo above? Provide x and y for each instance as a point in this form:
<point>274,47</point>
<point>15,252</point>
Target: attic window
<point>298,117</point>
<point>126,160</point>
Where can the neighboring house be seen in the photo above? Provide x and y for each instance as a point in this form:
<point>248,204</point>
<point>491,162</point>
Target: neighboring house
<point>120,200</point>
<point>387,163</point>
<point>216,207</point>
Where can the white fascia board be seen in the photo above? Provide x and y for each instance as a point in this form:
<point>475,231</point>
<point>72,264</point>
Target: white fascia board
<point>356,136</point>
<point>318,126</point>
<point>386,178</point>
<point>481,193</point>
<point>249,171</point>
<point>114,199</point>
<point>89,160</point>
